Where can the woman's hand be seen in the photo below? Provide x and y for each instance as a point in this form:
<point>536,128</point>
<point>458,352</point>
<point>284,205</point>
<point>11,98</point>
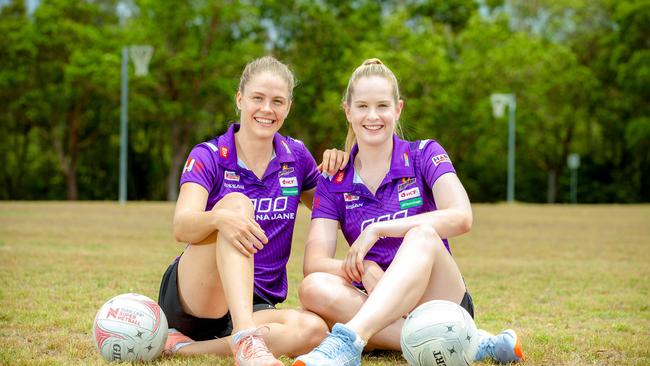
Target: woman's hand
<point>333,161</point>
<point>241,231</point>
<point>353,263</point>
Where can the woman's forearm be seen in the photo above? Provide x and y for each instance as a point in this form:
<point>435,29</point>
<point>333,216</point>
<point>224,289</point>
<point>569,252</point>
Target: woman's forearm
<point>447,223</point>
<point>327,265</point>
<point>193,226</point>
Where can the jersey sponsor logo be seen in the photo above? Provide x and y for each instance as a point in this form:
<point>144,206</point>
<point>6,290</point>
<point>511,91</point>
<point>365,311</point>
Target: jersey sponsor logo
<point>192,164</point>
<point>292,191</point>
<point>413,202</point>
<point>405,157</point>
<point>439,159</point>
<point>189,165</point>
<point>230,175</point>
<point>233,186</point>
<point>409,198</point>
<point>316,203</point>
<point>339,177</point>
<point>350,197</point>
<point>353,206</point>
<point>387,217</point>
<point>286,147</point>
<point>272,208</point>
<point>289,182</point>
<point>405,183</point>
<point>286,169</point>
<point>408,194</point>
<point>223,151</point>
<point>289,186</point>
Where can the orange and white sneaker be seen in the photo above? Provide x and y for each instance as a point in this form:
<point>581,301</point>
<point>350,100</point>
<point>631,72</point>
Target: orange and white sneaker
<point>175,341</point>
<point>249,348</point>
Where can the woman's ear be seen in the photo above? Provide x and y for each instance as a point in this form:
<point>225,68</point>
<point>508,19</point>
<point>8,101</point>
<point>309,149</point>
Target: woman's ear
<point>399,107</point>
<point>238,98</point>
<point>346,109</point>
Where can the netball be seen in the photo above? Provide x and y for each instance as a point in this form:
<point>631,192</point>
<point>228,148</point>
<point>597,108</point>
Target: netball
<point>130,327</point>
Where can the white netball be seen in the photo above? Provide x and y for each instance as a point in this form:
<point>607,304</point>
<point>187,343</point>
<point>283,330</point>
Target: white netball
<point>130,327</point>
<point>439,333</point>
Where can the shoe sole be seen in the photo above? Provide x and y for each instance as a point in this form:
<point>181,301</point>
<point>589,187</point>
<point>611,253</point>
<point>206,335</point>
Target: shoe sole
<point>518,350</point>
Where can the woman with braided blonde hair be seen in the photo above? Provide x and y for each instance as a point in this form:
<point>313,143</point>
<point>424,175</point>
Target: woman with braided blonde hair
<point>396,203</point>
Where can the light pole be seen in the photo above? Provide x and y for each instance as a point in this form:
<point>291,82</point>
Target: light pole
<point>141,55</point>
<point>499,102</point>
<point>573,161</point>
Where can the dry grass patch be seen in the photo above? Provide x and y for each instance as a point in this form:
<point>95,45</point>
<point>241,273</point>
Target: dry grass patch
<point>574,281</point>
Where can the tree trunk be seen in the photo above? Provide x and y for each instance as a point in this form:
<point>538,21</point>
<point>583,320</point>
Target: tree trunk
<point>74,123</point>
<point>551,194</point>
<point>172,177</point>
<point>180,141</point>
<point>72,193</point>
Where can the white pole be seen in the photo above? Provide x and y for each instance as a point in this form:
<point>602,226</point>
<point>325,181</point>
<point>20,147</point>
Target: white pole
<point>511,148</point>
<point>573,161</point>
<point>124,124</point>
<point>499,102</point>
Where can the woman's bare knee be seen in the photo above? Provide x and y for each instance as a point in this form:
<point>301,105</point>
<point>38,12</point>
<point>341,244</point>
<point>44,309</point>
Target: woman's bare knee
<point>423,231</point>
<point>315,291</point>
<point>425,237</point>
<point>237,202</point>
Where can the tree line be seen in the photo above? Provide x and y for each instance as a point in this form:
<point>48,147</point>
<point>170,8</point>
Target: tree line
<point>580,70</point>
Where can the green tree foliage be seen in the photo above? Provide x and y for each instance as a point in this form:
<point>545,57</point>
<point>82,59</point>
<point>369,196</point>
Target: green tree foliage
<point>16,60</point>
<point>200,49</point>
<point>61,90</point>
<point>579,70</point>
<point>553,94</point>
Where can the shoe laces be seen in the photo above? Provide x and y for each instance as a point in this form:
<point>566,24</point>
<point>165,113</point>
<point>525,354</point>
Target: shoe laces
<point>488,346</point>
<point>332,345</point>
<point>252,345</point>
<point>175,341</point>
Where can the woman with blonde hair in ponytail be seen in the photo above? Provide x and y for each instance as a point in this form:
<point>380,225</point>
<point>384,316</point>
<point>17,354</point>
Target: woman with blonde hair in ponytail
<point>396,203</point>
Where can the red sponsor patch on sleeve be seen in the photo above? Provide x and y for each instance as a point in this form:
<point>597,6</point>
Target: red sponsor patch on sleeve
<point>192,165</point>
<point>442,158</point>
<point>339,177</point>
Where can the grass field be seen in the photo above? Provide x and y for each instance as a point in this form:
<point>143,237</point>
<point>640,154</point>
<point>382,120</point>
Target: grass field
<point>574,281</point>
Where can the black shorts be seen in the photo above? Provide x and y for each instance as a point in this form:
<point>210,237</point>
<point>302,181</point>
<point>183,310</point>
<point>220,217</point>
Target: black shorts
<point>199,329</point>
<point>468,304</point>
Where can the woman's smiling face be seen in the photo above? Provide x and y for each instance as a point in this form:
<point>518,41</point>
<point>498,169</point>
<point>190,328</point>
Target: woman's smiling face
<point>264,104</point>
<point>372,110</point>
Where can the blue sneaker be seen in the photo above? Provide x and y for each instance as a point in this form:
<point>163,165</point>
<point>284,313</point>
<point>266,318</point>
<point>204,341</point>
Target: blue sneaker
<point>503,348</point>
<point>342,347</point>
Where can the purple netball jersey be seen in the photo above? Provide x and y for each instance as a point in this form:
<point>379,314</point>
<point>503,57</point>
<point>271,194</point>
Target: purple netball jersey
<point>214,165</point>
<point>405,191</point>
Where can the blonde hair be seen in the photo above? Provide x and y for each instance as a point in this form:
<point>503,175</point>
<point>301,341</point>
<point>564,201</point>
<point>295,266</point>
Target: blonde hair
<point>267,64</point>
<point>369,67</point>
